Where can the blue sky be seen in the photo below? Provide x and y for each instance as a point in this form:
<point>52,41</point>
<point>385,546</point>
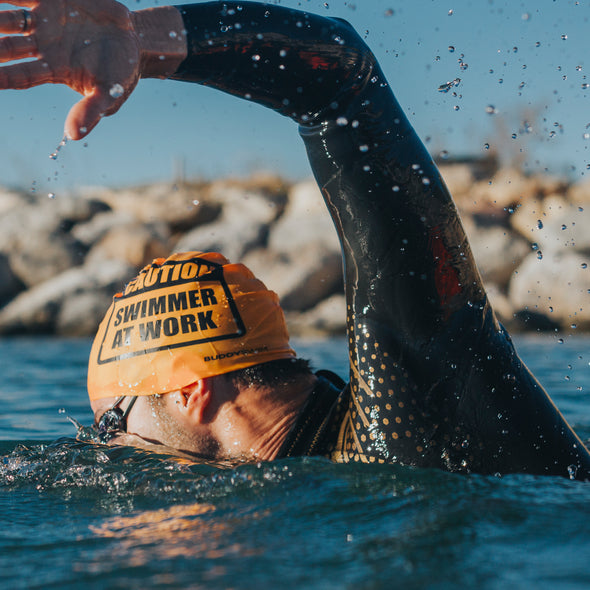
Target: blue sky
<point>522,65</point>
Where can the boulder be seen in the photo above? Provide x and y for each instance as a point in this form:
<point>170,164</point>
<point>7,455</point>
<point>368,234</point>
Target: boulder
<point>302,279</point>
<point>134,243</point>
<point>37,242</point>
<point>556,285</point>
<point>579,192</point>
<point>12,200</point>
<point>180,206</point>
<point>306,221</point>
<point>507,188</point>
<point>497,250</point>
<point>10,285</point>
<point>554,224</point>
<point>72,303</point>
<point>242,226</point>
<point>92,231</point>
<point>326,318</point>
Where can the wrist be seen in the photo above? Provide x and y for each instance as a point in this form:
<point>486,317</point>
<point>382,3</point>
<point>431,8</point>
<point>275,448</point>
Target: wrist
<point>162,40</point>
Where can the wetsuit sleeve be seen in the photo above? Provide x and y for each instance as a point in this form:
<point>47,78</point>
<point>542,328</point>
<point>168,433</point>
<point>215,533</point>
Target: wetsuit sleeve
<point>434,379</point>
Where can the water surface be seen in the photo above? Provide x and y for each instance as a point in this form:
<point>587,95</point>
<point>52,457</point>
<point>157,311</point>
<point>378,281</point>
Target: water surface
<point>81,515</point>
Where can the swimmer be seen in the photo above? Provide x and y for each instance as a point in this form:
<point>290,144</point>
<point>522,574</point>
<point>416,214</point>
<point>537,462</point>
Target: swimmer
<point>194,354</point>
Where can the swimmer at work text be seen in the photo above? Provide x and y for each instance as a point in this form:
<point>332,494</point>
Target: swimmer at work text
<point>194,354</point>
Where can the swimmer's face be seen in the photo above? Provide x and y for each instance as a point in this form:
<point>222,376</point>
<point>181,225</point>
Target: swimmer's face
<point>177,420</point>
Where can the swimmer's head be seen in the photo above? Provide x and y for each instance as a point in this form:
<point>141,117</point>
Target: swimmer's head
<point>184,318</point>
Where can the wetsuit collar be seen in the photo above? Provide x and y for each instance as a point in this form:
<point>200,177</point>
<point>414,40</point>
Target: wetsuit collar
<point>307,436</point>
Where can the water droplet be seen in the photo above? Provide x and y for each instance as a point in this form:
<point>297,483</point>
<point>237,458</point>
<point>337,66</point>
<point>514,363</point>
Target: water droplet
<point>491,109</point>
<point>283,53</point>
<point>584,265</point>
<point>451,49</point>
<point>195,202</point>
<point>540,255</point>
<point>444,155</point>
<point>53,156</point>
<point>426,181</point>
<point>572,471</point>
<point>586,135</point>
<point>564,37</point>
<point>514,136</point>
<point>364,148</point>
<point>51,195</point>
<point>172,34</point>
<point>342,121</point>
<point>61,411</point>
<point>585,86</point>
<point>456,107</point>
<point>526,16</point>
<point>450,13</point>
<point>563,226</point>
<point>255,57</point>
<point>539,224</point>
<point>116,90</point>
<point>486,146</point>
<point>448,85</point>
<point>389,12</point>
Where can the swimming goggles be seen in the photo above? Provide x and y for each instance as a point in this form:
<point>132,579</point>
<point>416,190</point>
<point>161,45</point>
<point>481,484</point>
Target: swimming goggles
<point>114,420</point>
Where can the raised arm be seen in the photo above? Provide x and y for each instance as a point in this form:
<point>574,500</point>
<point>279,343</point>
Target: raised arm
<point>434,379</point>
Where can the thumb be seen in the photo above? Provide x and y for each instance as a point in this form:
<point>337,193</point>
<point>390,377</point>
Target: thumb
<point>85,114</point>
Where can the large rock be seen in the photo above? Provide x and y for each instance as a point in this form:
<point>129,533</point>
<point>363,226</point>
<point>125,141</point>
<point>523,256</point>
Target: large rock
<point>180,206</point>
<point>497,250</point>
<point>326,318</point>
<point>72,303</point>
<point>135,244</point>
<point>93,230</point>
<point>36,238</point>
<point>301,280</point>
<point>556,285</point>
<point>554,224</point>
<point>579,192</point>
<point>12,200</point>
<point>306,221</point>
<point>242,226</point>
<point>10,285</point>
<point>507,188</point>
<point>303,262</point>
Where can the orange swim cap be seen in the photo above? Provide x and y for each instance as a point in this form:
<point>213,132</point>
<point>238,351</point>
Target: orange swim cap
<point>189,316</point>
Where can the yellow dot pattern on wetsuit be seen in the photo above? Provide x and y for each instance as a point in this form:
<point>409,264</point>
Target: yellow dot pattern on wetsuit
<point>382,422</point>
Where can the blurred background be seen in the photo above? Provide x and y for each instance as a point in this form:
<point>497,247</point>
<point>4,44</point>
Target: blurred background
<point>498,90</point>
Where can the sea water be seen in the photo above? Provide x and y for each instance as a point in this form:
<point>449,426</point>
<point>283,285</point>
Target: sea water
<point>78,515</point>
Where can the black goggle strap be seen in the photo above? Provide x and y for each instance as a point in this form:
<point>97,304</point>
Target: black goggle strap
<point>115,419</point>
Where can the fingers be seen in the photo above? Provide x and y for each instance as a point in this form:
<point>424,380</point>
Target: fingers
<point>13,22</point>
<point>17,47</point>
<point>25,75</point>
<point>86,114</point>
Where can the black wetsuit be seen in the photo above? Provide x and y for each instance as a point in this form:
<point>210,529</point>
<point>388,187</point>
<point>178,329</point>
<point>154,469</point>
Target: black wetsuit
<point>434,379</point>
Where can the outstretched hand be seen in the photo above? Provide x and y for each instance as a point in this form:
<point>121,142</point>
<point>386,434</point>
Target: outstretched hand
<point>89,45</point>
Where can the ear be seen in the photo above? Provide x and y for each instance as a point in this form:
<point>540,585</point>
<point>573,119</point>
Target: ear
<point>195,399</point>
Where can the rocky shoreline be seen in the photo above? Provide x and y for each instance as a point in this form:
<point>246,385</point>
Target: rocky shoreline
<point>61,259</point>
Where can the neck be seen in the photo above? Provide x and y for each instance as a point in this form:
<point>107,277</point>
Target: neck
<point>254,423</point>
